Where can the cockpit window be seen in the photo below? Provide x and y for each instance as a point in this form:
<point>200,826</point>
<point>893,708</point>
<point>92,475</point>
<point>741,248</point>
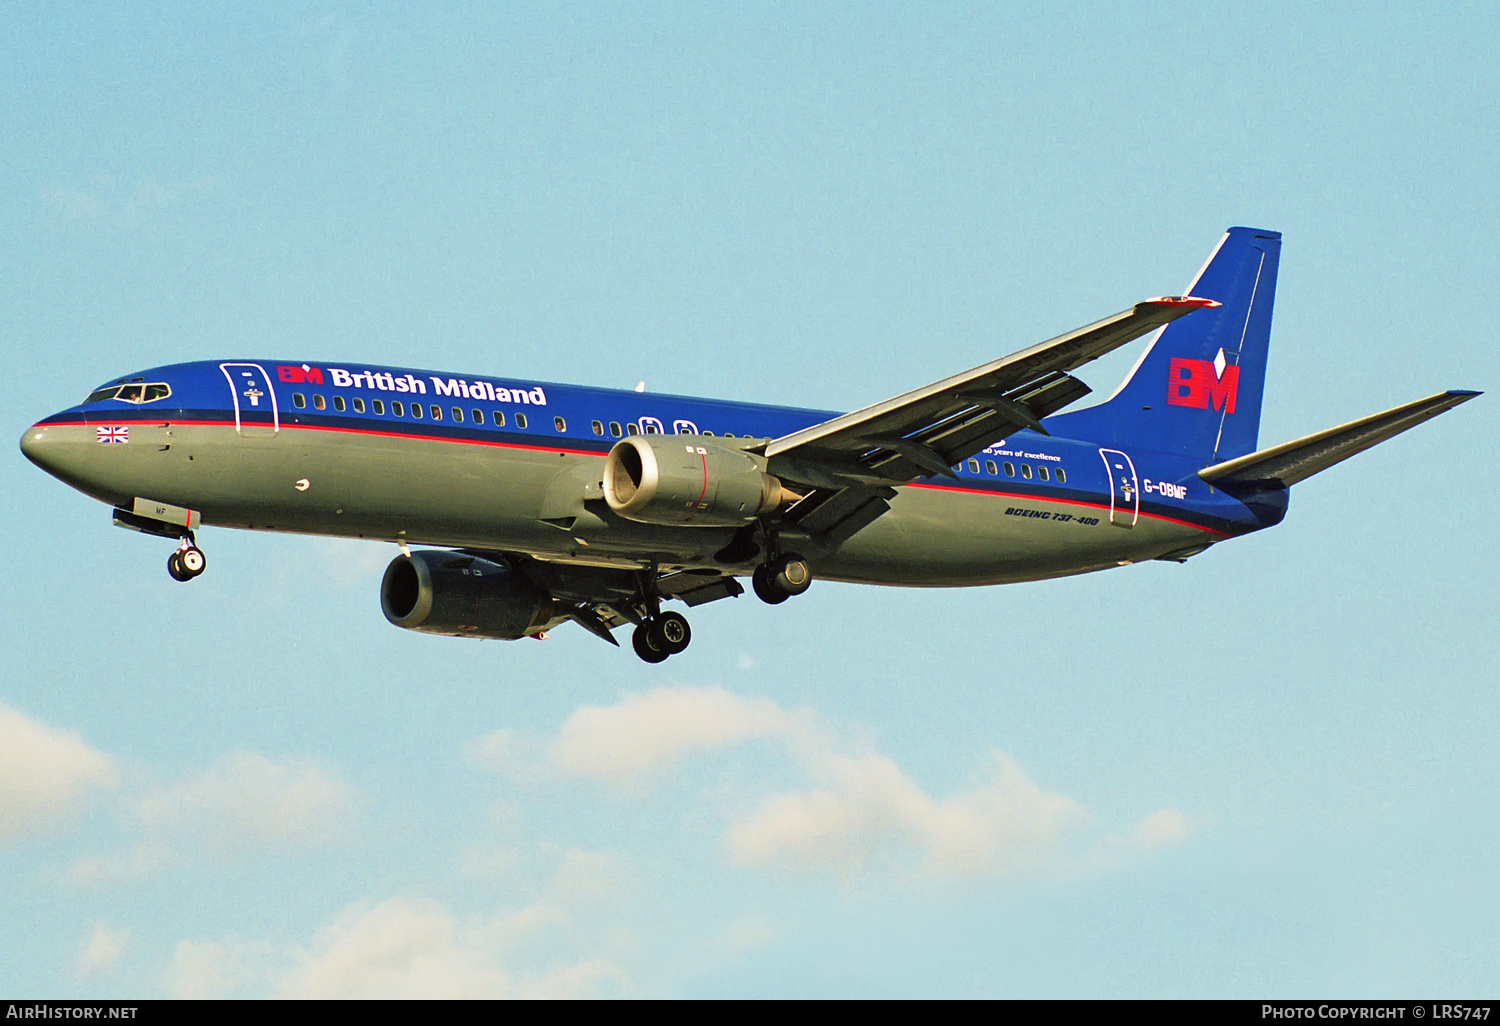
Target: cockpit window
<point>131,393</point>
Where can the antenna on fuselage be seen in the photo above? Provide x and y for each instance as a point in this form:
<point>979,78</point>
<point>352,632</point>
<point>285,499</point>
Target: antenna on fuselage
<point>640,386</point>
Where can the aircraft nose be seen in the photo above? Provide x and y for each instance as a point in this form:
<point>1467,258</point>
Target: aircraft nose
<point>34,446</point>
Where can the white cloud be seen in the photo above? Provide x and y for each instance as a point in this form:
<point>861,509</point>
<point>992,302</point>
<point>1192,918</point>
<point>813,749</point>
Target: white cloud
<point>867,813</point>
<point>411,948</point>
<point>859,812</point>
<point>402,947</point>
<point>398,949</point>
<point>1161,828</point>
<point>45,775</point>
<point>207,970</point>
<point>102,949</point>
<point>135,863</point>
<point>643,734</point>
<point>562,942</point>
<point>246,799</point>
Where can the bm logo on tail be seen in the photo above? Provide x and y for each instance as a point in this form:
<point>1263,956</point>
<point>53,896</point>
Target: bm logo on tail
<point>1200,384</point>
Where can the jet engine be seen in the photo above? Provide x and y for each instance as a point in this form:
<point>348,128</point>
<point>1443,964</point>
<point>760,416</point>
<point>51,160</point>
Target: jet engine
<point>438,592</point>
<point>688,479</point>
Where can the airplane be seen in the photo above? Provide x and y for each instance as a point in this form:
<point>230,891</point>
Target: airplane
<point>547,503</point>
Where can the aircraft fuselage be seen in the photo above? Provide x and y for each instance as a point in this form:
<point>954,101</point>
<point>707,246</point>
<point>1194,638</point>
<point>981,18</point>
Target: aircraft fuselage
<point>299,447</point>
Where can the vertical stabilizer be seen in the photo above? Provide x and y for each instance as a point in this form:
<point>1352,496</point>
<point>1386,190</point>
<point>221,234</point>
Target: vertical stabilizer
<point>1197,389</point>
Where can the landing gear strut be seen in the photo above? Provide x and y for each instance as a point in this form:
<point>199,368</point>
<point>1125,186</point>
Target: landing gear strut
<point>187,562</point>
<point>781,578</point>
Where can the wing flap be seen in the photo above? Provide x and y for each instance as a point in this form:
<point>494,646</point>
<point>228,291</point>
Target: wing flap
<point>1298,460</point>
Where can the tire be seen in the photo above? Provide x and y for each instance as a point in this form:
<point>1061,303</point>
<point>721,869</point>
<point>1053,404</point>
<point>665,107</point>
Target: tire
<point>192,561</point>
<point>790,574</point>
<point>175,569</point>
<point>671,633</point>
<point>641,642</point>
<point>766,589</point>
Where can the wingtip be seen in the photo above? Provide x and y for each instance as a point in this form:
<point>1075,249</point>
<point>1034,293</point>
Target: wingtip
<point>1194,301</point>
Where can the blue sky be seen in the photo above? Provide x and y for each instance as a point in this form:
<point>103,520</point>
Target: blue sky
<point>1269,771</point>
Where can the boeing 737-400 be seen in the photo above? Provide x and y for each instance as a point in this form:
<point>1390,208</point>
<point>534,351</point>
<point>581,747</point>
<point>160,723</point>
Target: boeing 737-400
<point>547,503</point>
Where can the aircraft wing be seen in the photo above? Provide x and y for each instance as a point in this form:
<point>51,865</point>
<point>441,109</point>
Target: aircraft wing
<point>853,462</point>
<point>1286,464</point>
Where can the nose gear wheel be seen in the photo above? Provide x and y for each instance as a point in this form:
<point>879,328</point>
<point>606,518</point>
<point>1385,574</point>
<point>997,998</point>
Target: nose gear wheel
<point>186,562</point>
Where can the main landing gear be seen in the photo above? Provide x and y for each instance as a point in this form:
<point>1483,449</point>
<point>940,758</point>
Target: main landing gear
<point>187,562</point>
<point>662,635</point>
<point>781,578</point>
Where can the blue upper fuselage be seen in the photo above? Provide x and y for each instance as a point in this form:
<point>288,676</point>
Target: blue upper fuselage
<point>524,413</point>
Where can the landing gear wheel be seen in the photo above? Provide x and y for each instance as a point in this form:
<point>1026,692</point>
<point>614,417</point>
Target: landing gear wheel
<point>644,646</point>
<point>175,569</point>
<point>765,590</point>
<point>670,633</point>
<point>192,560</point>
<point>789,573</point>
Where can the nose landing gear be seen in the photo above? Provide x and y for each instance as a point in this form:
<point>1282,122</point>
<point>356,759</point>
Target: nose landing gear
<point>187,562</point>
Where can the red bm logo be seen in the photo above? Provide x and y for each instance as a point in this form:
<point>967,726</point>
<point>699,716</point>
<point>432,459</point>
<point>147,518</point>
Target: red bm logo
<point>303,375</point>
<point>1199,384</point>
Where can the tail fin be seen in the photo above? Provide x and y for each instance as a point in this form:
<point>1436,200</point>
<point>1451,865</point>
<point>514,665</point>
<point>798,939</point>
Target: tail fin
<point>1196,390</point>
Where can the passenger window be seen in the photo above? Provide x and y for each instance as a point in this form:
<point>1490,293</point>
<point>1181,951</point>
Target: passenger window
<point>710,434</point>
<point>338,403</point>
<point>614,428</point>
<point>1062,476</point>
<point>1041,472</point>
<point>652,429</point>
<point>318,403</point>
<point>597,426</point>
<point>416,411</point>
<point>989,467</point>
<point>1026,471</point>
<point>560,424</point>
<point>1010,470</point>
<point>973,466</point>
<point>458,415</point>
<point>379,406</point>
<point>299,400</point>
<point>437,411</point>
<point>632,429</point>
<point>397,409</point>
<point>521,421</point>
<point>478,415</point>
<point>499,418</point>
<point>359,405</point>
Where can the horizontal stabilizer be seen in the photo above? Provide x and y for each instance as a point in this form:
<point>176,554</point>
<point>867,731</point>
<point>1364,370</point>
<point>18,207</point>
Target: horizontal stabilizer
<point>1301,459</point>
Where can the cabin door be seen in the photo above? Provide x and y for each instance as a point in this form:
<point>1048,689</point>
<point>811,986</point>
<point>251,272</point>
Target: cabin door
<point>255,412</point>
<point>1124,489</point>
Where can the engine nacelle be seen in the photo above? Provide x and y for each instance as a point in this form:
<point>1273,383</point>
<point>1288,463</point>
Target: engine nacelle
<point>439,592</point>
<point>688,479</point>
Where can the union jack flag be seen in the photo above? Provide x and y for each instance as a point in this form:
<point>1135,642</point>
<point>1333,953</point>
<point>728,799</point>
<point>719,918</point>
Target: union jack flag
<point>106,435</point>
